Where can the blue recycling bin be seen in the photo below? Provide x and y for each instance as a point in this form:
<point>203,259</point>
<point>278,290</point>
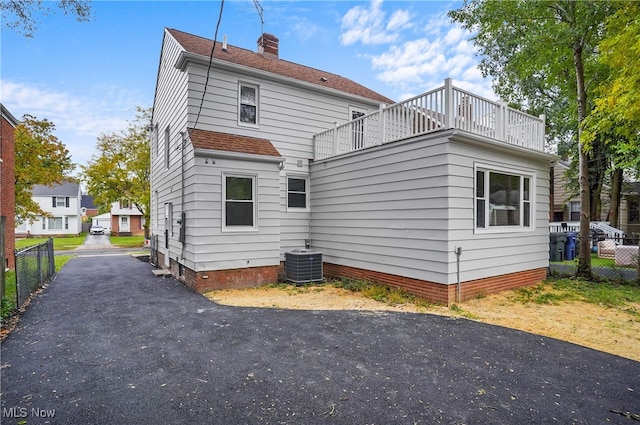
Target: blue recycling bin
<point>570,246</point>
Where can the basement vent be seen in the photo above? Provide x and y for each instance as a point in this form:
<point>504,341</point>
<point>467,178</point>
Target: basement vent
<point>303,266</point>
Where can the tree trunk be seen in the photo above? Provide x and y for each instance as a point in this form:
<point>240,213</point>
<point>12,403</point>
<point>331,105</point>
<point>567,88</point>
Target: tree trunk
<point>584,259</point>
<point>616,191</point>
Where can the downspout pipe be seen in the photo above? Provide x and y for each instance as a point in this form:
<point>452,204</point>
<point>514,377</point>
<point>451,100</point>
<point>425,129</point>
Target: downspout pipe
<point>458,252</point>
<point>183,215</point>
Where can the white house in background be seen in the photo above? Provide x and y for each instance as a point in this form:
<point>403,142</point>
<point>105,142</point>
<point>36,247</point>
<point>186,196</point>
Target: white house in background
<point>126,219</point>
<point>445,195</point>
<point>62,202</point>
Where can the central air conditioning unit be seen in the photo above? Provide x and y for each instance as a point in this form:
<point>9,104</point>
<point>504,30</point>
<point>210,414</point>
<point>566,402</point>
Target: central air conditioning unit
<point>303,266</point>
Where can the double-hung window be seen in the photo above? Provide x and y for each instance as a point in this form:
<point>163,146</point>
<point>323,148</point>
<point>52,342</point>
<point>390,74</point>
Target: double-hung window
<point>503,200</point>
<point>167,147</point>
<point>248,104</point>
<point>239,202</point>
<point>55,223</point>
<point>60,201</point>
<point>297,192</point>
<point>634,210</point>
<point>357,127</point>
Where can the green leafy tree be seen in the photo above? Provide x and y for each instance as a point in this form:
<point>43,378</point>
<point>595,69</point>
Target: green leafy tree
<point>617,105</point>
<point>40,159</point>
<point>543,55</point>
<point>21,15</point>
<point>121,168</point>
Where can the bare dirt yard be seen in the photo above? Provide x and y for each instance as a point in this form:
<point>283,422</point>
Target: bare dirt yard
<point>612,329</point>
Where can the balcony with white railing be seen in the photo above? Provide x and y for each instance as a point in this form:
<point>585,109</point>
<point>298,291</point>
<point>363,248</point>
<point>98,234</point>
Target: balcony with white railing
<point>447,107</point>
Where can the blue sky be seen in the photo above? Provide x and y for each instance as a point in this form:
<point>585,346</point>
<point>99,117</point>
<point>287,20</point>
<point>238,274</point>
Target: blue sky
<point>88,77</point>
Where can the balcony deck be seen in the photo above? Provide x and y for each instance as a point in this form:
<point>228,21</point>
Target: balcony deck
<point>446,107</point>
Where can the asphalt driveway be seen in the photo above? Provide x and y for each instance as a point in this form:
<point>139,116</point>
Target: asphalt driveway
<point>109,343</point>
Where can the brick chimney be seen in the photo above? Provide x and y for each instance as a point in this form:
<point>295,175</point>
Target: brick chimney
<point>268,46</point>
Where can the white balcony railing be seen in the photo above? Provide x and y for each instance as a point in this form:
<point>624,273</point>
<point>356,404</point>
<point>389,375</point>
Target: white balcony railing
<point>447,107</point>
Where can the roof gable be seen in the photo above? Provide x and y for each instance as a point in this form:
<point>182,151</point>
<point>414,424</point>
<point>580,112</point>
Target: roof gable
<point>269,63</point>
<point>213,140</point>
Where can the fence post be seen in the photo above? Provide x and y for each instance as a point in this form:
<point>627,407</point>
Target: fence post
<point>335,139</point>
<point>381,127</point>
<point>2,256</point>
<point>448,103</point>
<point>39,262</point>
<point>52,259</point>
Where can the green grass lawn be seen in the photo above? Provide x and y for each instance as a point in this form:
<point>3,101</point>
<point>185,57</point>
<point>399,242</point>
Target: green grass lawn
<point>8,305</point>
<point>60,243</point>
<point>127,241</point>
<point>66,243</point>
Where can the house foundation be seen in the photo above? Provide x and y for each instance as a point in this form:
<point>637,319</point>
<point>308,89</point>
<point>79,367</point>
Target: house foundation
<point>211,280</point>
<point>437,292</point>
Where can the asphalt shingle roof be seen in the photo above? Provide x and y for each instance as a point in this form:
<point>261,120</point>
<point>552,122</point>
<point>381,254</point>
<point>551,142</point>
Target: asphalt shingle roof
<point>202,46</point>
<point>213,140</point>
<point>64,189</point>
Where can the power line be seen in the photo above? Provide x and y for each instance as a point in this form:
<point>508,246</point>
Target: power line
<point>261,13</point>
<point>213,48</point>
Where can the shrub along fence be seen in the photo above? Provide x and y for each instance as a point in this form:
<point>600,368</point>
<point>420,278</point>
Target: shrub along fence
<point>35,265</point>
<point>610,259</point>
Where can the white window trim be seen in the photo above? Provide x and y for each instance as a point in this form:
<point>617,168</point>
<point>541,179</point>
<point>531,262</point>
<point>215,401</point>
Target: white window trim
<point>157,211</point>
<point>256,87</point>
<point>358,134</point>
<point>526,173</point>
<point>254,183</point>
<point>154,140</point>
<point>167,147</point>
<point>304,177</point>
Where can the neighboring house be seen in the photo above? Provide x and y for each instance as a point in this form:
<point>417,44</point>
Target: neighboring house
<point>88,208</point>
<point>444,192</point>
<point>62,203</point>
<point>630,208</point>
<point>566,207</point>
<point>126,219</point>
<point>7,184</point>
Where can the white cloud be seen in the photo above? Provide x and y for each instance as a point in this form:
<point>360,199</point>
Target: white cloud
<point>79,117</point>
<point>441,50</point>
<point>366,25</point>
<point>401,19</point>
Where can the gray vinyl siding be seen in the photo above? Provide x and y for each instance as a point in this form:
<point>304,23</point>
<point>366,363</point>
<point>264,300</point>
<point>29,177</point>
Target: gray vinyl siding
<point>289,116</point>
<point>403,208</point>
<point>384,209</point>
<point>497,252</point>
<point>214,248</point>
<point>170,111</point>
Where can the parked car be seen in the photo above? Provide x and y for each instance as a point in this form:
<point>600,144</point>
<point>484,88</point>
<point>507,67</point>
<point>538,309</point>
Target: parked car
<point>97,230</point>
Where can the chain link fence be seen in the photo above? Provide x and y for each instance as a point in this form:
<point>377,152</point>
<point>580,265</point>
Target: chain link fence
<point>611,258</point>
<point>35,265</point>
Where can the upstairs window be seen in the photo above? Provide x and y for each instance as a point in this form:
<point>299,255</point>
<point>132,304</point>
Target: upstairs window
<point>357,127</point>
<point>154,140</point>
<point>60,202</point>
<point>634,210</point>
<point>167,147</point>
<point>125,204</point>
<point>574,211</point>
<point>248,104</point>
<point>502,200</point>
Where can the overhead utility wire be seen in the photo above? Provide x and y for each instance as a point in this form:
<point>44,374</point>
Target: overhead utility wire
<point>261,13</point>
<point>213,48</point>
